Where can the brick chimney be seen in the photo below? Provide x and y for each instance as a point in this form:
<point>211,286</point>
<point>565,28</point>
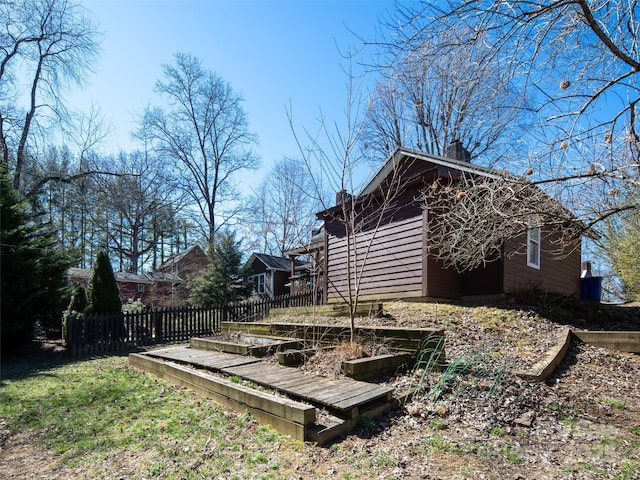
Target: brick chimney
<point>342,196</point>
<point>456,151</point>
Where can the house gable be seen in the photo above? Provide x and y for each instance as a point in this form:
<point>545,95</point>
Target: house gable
<point>185,264</point>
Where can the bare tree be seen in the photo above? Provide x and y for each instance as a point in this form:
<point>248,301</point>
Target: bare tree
<point>283,207</point>
<point>205,130</point>
<point>437,92</point>
<point>577,62</point>
<point>472,217</point>
<point>85,132</point>
<point>44,46</point>
<point>386,124</point>
<point>335,161</point>
<point>140,204</point>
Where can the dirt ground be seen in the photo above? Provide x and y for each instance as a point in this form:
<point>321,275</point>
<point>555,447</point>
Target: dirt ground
<point>478,422</point>
<point>582,422</point>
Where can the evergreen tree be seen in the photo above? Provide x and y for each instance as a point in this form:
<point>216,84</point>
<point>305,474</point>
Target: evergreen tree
<point>79,300</point>
<point>104,295</point>
<point>221,282</point>
<point>34,286</point>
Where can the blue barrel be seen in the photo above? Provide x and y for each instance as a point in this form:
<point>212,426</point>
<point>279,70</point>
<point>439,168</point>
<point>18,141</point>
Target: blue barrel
<point>591,288</point>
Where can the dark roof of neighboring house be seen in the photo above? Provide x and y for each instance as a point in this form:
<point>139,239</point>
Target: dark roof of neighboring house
<point>126,277</point>
<point>274,263</point>
<point>179,256</point>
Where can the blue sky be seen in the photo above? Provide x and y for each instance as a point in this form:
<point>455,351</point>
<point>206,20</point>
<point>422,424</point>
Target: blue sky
<point>273,53</point>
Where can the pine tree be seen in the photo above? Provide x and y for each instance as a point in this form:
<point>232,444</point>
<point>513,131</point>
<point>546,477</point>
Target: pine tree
<point>34,286</point>
<point>221,282</point>
<point>79,300</point>
<point>104,295</point>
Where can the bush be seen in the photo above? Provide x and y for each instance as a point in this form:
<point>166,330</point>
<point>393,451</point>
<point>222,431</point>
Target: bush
<point>79,300</point>
<point>133,305</point>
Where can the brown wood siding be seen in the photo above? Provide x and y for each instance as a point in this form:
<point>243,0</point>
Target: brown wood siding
<point>440,282</point>
<point>389,263</point>
<point>484,280</point>
<point>257,267</point>
<point>437,282</point>
<point>558,275</point>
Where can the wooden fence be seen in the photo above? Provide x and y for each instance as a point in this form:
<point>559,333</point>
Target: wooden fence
<point>86,334</point>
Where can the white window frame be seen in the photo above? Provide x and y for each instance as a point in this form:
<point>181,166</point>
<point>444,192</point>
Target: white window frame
<point>260,283</point>
<point>534,235</point>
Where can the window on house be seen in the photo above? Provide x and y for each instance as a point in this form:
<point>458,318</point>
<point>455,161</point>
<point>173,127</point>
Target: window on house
<point>259,283</point>
<point>141,287</point>
<point>533,246</point>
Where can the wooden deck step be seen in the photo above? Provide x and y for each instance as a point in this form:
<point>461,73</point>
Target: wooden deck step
<point>342,400</point>
<point>201,358</point>
<point>344,395</point>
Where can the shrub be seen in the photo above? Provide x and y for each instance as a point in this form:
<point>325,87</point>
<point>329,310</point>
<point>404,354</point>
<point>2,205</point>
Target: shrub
<point>222,281</point>
<point>79,300</point>
<point>104,294</point>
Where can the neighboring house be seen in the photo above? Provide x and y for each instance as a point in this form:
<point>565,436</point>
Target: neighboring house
<point>168,285</point>
<point>273,276</point>
<point>310,274</point>
<point>393,255</point>
<point>184,265</point>
<point>152,289</point>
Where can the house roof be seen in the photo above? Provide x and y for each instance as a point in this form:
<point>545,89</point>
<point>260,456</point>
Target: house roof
<point>274,263</point>
<point>126,277</point>
<point>315,243</point>
<point>179,256</point>
<point>399,157</point>
<point>400,153</point>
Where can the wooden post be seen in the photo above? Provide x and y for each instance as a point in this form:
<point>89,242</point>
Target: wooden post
<point>157,323</point>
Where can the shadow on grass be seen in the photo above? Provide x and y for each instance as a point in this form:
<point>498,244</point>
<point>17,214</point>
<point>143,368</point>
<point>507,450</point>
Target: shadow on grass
<point>44,354</point>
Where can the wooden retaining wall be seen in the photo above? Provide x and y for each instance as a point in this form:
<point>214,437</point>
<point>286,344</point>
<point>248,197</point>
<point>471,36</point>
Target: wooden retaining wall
<point>285,415</point>
<point>330,310</point>
<point>407,340</point>
<point>374,367</point>
<point>545,367</point>
<point>622,341</point>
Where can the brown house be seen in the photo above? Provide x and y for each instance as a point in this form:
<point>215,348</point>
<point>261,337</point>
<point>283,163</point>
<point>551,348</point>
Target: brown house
<point>391,252</point>
<point>184,265</point>
<point>152,289</point>
<point>167,286</point>
<point>273,276</point>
